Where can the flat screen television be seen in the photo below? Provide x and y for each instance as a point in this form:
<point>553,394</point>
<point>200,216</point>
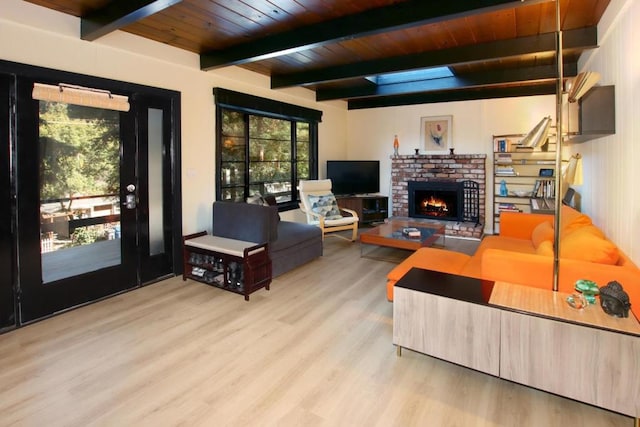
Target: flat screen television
<point>354,176</point>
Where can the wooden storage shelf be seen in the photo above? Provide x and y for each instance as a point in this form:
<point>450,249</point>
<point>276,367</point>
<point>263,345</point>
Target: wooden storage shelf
<point>233,265</point>
<point>369,208</point>
<point>520,170</point>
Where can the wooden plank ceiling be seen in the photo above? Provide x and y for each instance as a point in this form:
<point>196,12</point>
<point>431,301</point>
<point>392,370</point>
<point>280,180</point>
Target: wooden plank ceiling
<point>494,48</point>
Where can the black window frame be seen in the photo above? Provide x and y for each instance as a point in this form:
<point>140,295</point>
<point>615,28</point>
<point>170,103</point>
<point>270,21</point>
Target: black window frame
<point>250,105</point>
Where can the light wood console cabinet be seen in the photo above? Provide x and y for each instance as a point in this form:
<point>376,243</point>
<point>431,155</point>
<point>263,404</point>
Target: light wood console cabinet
<point>588,364</point>
<point>458,330</point>
<point>522,334</point>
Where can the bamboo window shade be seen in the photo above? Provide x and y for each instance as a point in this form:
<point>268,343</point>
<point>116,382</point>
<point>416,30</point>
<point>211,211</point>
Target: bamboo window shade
<point>78,95</point>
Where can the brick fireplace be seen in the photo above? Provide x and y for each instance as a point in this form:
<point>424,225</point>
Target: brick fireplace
<point>443,169</point>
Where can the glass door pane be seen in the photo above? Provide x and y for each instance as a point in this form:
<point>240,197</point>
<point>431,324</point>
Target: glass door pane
<point>155,215</point>
<point>303,154</point>
<point>79,189</point>
<point>232,156</point>
<point>270,157</point>
<point>155,162</point>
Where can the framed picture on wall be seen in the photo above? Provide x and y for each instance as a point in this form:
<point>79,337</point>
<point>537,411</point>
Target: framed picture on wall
<point>435,134</point>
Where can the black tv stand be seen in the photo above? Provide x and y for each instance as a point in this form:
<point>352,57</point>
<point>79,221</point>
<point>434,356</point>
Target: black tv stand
<point>370,208</point>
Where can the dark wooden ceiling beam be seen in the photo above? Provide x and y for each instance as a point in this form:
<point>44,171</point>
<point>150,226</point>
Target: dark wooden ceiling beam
<point>456,95</point>
<point>374,21</point>
<point>118,14</point>
<point>579,39</point>
<point>493,78</point>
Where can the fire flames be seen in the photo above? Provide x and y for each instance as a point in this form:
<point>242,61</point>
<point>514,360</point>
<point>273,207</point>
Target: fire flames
<point>434,205</point>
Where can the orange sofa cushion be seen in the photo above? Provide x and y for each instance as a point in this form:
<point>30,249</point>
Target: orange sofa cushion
<point>545,248</point>
<point>589,229</point>
<point>585,244</point>
<point>520,225</point>
<point>474,267</point>
<point>541,233</point>
<point>571,220</point>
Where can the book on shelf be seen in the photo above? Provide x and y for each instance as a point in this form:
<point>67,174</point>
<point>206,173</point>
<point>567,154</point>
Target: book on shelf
<point>505,144</point>
<point>544,189</point>
<point>524,148</point>
<point>500,145</point>
<point>411,232</point>
<point>504,158</point>
<point>536,188</point>
<point>508,207</point>
<point>542,205</point>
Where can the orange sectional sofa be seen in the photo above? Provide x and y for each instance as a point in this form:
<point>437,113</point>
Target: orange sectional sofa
<point>523,253</point>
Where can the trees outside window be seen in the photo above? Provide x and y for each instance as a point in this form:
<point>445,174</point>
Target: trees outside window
<point>260,154</point>
<point>79,149</point>
<point>79,172</point>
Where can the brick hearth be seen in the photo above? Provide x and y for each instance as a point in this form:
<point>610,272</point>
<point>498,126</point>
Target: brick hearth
<point>459,167</point>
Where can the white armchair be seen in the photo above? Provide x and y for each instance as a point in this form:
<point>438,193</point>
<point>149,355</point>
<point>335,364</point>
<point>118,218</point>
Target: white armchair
<point>321,208</point>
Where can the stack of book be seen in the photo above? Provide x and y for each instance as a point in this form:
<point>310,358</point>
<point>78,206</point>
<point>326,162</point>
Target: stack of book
<point>505,171</point>
<point>508,207</point>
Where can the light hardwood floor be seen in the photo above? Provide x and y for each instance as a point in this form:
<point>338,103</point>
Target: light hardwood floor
<point>314,350</point>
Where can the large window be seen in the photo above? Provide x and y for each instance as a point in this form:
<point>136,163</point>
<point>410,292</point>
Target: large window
<point>264,149</point>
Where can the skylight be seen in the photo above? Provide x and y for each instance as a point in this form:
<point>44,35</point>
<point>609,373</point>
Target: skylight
<point>412,76</point>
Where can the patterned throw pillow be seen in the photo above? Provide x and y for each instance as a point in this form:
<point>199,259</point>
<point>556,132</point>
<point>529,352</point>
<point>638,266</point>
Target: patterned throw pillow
<point>325,205</point>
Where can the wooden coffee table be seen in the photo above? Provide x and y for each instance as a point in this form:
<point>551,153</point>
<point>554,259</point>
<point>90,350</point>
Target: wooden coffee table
<point>390,235</point>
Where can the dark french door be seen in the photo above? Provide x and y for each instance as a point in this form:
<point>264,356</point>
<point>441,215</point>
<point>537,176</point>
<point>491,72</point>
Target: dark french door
<point>7,300</point>
<point>97,200</point>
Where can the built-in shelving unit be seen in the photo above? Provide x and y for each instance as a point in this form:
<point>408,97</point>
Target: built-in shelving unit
<point>523,179</point>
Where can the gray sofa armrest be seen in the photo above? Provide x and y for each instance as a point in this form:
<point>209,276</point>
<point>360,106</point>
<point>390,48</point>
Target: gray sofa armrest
<point>244,221</point>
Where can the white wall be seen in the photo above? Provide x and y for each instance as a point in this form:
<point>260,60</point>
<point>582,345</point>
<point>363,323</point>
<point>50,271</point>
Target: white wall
<point>35,35</point>
<point>371,131</point>
<point>611,165</point>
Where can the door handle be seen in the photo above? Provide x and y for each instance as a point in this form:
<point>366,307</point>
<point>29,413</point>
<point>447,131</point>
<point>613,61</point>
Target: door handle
<point>130,201</point>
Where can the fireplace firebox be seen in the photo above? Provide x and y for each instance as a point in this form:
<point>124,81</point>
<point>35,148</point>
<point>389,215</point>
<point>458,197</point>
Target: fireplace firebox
<point>444,200</point>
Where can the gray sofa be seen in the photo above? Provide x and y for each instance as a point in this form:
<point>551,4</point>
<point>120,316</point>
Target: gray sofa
<point>291,244</point>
